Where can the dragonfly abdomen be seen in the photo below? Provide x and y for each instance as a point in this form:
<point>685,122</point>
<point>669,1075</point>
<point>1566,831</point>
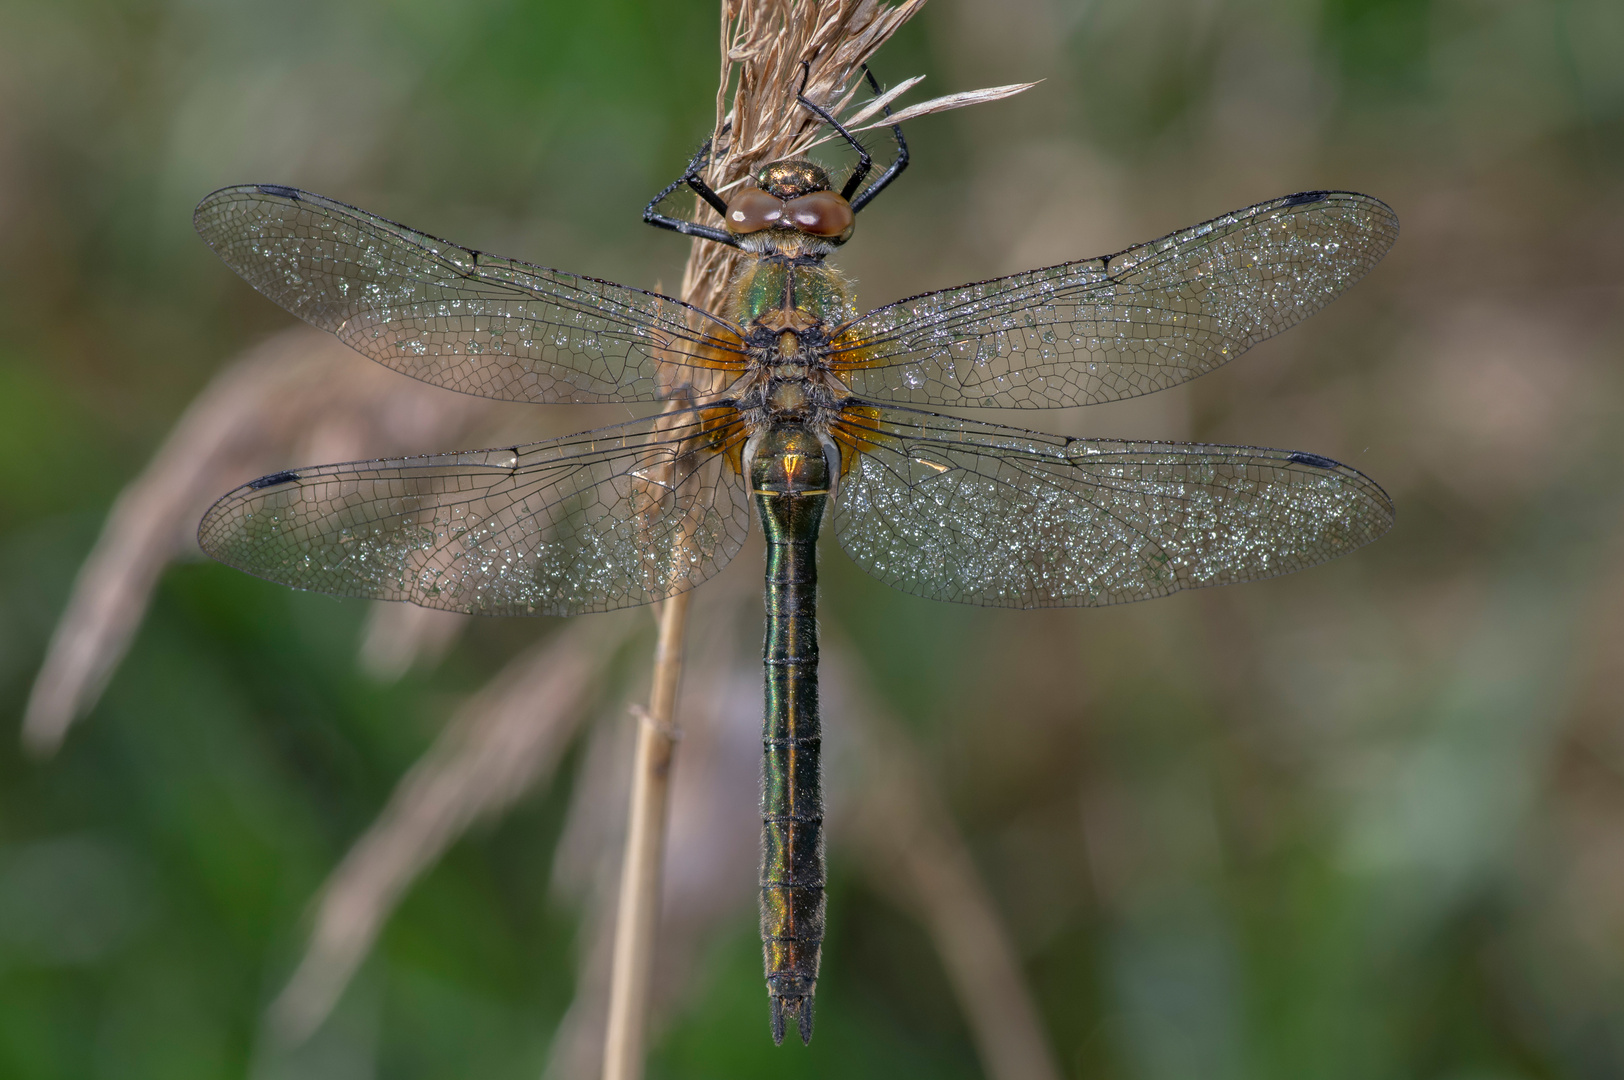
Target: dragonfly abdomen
<point>790,479</point>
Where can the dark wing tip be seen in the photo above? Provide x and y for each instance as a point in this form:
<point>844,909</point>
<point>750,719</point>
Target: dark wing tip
<point>272,480</point>
<point>1339,198</point>
<point>1303,198</point>
<point>1374,491</point>
<point>237,191</point>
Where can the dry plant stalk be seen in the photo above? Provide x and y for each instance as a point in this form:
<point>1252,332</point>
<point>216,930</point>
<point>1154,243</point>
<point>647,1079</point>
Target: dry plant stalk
<point>764,45</point>
<point>638,913</point>
<point>710,834</point>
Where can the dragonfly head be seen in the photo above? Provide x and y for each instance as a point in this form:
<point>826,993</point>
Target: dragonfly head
<point>792,197</point>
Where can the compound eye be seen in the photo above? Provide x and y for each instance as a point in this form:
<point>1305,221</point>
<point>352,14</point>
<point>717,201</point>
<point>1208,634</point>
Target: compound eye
<point>752,210</point>
<point>822,213</point>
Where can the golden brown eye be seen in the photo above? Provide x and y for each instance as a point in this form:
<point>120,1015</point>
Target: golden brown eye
<point>752,210</point>
<point>822,213</point>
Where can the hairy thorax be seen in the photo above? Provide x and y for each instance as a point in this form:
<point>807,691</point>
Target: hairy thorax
<point>789,305</point>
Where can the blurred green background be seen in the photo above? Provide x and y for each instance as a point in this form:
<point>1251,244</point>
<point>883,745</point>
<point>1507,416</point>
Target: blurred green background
<point>1363,822</point>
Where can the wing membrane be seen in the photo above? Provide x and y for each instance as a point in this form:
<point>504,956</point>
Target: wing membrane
<point>455,317</point>
<point>601,520</point>
<point>975,513</point>
<point>1121,325</point>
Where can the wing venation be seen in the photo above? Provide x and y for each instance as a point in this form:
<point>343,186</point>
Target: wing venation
<point>1121,325</point>
<point>606,519</point>
<point>975,513</point>
<point>459,318</point>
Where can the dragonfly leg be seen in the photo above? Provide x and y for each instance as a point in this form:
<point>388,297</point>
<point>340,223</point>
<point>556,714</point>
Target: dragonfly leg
<point>692,179</point>
<point>897,165</point>
<point>864,162</point>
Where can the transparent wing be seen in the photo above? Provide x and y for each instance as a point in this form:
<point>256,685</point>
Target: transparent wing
<point>452,316</point>
<point>955,510</point>
<point>605,519</point>
<point>1121,325</point>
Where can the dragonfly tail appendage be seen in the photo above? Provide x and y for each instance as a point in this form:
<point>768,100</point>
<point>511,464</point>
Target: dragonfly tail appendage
<point>791,488</point>
<point>785,1006</point>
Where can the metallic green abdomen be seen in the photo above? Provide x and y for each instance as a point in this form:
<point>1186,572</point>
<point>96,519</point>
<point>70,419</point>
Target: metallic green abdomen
<point>790,479</point>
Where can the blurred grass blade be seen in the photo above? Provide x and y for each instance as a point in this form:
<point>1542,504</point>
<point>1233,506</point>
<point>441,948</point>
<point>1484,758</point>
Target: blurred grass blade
<point>300,392</point>
<point>916,856</point>
<point>497,747</point>
<point>399,637</point>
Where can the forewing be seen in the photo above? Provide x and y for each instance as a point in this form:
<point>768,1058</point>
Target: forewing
<point>455,317</point>
<point>1121,325</point>
<point>606,519</point>
<point>979,514</point>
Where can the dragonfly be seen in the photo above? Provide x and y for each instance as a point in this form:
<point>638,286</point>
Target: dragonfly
<point>793,403</point>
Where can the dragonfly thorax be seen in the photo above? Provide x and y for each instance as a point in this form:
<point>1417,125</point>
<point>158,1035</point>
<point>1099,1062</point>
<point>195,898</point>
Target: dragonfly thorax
<point>789,379</point>
<point>786,307</point>
<point>808,395</point>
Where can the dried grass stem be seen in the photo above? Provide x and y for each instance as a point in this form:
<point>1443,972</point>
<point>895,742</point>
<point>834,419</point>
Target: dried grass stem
<point>637,917</point>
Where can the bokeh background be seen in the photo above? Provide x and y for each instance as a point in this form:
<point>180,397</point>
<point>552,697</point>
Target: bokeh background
<point>1363,822</point>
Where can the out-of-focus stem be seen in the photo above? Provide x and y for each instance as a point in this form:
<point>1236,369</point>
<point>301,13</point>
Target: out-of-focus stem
<point>924,862</point>
<point>637,917</point>
<point>979,958</point>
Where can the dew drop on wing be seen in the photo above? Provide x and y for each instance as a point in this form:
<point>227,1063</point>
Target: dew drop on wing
<point>1303,198</point>
<point>1300,458</point>
<point>272,480</point>
<point>278,189</point>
